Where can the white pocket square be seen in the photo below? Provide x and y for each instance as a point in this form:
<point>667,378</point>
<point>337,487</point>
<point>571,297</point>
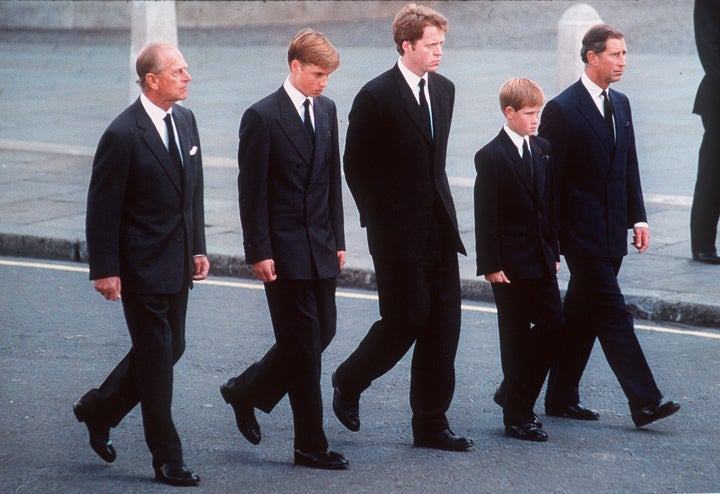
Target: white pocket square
<point>193,150</point>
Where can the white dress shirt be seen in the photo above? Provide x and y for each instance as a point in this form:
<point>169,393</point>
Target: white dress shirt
<point>298,100</point>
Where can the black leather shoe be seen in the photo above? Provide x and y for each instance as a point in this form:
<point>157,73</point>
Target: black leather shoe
<point>245,419</point>
<point>99,436</point>
<point>650,414</point>
<point>526,432</point>
<point>445,440</point>
<point>347,410</point>
<point>499,399</point>
<point>576,411</point>
<point>707,257</point>
<point>324,459</point>
<point>176,473</point>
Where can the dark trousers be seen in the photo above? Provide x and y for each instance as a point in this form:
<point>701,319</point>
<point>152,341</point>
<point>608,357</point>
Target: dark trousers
<point>705,210</point>
<point>304,316</point>
<point>595,308</point>
<point>157,330</point>
<point>530,316</point>
<point>420,304</point>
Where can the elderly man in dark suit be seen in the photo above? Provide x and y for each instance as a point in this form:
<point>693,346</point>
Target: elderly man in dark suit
<point>290,194</point>
<point>146,241</point>
<point>706,201</point>
<point>590,129</point>
<point>395,168</point>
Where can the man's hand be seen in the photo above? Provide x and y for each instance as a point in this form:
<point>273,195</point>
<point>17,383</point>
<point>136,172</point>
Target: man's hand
<point>497,277</point>
<point>202,267</point>
<point>341,258</point>
<point>108,287</point>
<point>265,270</point>
<point>641,238</point>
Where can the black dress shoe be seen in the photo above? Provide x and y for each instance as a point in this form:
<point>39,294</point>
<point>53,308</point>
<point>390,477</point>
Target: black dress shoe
<point>526,432</point>
<point>245,419</point>
<point>650,414</point>
<point>99,435</point>
<point>445,440</point>
<point>707,257</point>
<point>499,399</point>
<point>176,473</point>
<point>324,459</point>
<point>576,411</point>
<point>347,409</point>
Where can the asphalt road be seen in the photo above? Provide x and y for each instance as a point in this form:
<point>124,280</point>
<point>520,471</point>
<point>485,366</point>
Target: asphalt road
<point>71,338</point>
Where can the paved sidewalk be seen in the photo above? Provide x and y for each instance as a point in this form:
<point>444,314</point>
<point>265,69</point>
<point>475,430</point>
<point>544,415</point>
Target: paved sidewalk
<point>58,91</point>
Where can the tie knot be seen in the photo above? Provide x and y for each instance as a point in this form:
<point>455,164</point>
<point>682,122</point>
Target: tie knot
<point>168,118</point>
<point>306,103</point>
<point>422,84</point>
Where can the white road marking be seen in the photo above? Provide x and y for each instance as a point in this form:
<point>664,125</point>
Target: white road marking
<point>256,285</point>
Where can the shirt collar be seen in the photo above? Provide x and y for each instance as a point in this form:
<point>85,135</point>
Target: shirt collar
<point>411,78</point>
<point>296,96</point>
<point>516,138</point>
<point>592,88</point>
<point>155,113</point>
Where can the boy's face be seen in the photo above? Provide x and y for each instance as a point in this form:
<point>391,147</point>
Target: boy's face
<point>524,121</point>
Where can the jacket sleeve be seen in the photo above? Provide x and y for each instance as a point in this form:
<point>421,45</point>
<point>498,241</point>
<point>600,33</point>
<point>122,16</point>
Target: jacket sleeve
<point>105,204</point>
<point>487,235</point>
<point>253,165</point>
<point>363,140</point>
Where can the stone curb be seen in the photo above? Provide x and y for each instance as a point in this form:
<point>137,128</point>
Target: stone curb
<point>653,306</point>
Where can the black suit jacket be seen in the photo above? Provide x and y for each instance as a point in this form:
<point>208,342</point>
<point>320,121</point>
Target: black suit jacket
<point>515,219</point>
<point>144,221</point>
<point>600,191</point>
<point>394,167</point>
<point>291,196</point>
<point>707,38</point>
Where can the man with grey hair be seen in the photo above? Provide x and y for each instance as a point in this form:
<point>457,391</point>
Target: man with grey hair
<point>146,241</point>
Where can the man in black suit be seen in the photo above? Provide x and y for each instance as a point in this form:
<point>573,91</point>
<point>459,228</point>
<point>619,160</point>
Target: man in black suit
<point>590,129</point>
<point>517,252</point>
<point>290,194</point>
<point>395,168</point>
<point>706,201</point>
<point>146,241</point>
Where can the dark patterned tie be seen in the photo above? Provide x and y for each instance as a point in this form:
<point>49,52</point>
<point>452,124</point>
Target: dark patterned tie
<point>424,105</point>
<point>607,106</point>
<point>527,160</point>
<point>172,146</point>
<point>307,120</point>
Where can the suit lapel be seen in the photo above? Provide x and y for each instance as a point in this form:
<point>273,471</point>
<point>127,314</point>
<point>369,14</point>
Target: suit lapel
<point>410,103</point>
<point>517,164</point>
<point>539,167</point>
<point>291,124</point>
<point>591,114</point>
<point>152,140</point>
<point>322,133</point>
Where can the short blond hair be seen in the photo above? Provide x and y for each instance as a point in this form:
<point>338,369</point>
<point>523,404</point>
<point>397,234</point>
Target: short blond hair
<point>314,48</point>
<point>520,92</point>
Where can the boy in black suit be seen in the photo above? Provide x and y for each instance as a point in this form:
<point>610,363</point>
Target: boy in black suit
<point>290,195</point>
<point>518,253</point>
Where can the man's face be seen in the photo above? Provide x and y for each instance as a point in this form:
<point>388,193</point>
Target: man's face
<point>524,121</point>
<point>609,65</point>
<point>424,55</point>
<point>309,79</point>
<point>171,83</point>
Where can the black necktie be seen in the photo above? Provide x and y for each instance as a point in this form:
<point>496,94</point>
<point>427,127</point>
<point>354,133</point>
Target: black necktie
<point>607,106</point>
<point>172,147</point>
<point>307,120</point>
<point>527,160</point>
<point>424,105</point>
